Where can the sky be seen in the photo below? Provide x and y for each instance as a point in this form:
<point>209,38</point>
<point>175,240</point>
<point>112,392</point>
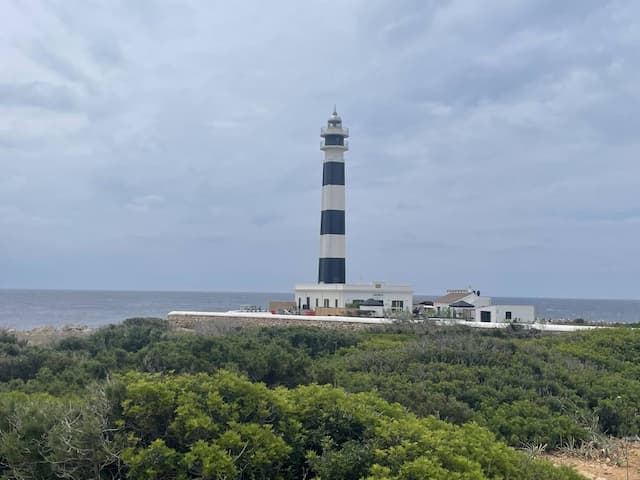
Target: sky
<point>174,145</point>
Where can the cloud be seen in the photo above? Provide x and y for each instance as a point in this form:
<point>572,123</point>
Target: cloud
<point>106,51</point>
<point>37,94</point>
<point>145,203</point>
<point>12,216</point>
<point>261,220</point>
<point>485,137</point>
<point>61,67</point>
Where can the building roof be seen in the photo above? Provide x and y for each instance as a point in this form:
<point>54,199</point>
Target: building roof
<point>452,297</point>
<point>461,304</point>
<point>371,302</point>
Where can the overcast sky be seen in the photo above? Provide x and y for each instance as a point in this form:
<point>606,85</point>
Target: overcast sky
<point>174,145</point>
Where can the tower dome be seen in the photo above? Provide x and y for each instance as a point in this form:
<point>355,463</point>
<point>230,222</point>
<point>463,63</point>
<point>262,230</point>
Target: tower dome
<point>334,119</point>
<point>334,134</point>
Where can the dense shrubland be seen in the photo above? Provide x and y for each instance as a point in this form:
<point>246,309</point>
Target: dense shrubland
<point>525,388</point>
<point>138,401</point>
<point>223,426</point>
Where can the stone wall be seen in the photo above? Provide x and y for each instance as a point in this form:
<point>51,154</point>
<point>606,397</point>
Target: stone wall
<point>222,324</point>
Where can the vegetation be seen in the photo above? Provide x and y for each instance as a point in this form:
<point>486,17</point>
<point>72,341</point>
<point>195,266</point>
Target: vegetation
<point>526,388</point>
<point>138,401</point>
<point>155,426</point>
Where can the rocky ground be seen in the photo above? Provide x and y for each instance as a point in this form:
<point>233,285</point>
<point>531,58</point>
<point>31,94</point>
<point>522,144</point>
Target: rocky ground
<point>604,468</point>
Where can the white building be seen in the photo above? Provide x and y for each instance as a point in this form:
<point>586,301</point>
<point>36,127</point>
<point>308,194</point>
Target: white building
<point>506,313</point>
<point>466,295</point>
<point>460,303</point>
<point>340,295</point>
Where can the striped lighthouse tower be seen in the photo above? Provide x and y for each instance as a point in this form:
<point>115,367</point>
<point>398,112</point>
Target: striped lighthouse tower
<point>331,267</point>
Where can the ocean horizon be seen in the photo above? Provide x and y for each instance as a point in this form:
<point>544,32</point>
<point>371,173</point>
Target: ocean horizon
<point>24,309</point>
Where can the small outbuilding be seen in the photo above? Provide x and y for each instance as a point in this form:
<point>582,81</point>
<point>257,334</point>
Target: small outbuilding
<point>506,314</point>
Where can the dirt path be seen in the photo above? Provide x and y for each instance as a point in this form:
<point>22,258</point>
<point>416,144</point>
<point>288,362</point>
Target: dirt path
<point>601,469</point>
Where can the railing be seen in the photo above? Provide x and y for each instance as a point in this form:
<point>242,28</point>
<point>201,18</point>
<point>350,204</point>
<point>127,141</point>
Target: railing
<point>334,130</point>
<point>345,146</point>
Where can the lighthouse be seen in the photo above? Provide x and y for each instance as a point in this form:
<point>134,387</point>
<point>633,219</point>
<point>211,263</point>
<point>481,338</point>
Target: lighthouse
<point>332,295</point>
<point>331,267</point>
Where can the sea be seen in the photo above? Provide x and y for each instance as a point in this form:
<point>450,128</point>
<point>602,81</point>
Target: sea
<point>27,309</point>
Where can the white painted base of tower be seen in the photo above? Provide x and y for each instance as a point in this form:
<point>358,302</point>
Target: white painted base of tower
<point>339,295</point>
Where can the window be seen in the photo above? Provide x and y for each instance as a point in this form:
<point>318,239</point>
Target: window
<point>333,139</point>
<point>299,303</point>
<point>336,303</point>
<point>326,302</point>
<point>316,303</point>
<point>397,304</point>
<point>507,315</point>
<point>308,304</point>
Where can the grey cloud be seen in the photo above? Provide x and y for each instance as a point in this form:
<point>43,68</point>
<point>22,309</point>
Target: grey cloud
<point>484,137</point>
<point>609,216</point>
<point>60,66</point>
<point>15,216</point>
<point>173,240</point>
<point>518,249</point>
<point>9,142</point>
<point>423,244</point>
<point>408,206</point>
<point>107,52</point>
<point>145,203</point>
<point>38,95</point>
<point>264,219</point>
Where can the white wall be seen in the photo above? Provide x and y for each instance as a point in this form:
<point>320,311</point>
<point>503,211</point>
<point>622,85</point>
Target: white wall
<point>346,294</point>
<point>383,294</point>
<point>320,296</point>
<point>480,301</point>
<point>499,313</point>
<point>333,155</point>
